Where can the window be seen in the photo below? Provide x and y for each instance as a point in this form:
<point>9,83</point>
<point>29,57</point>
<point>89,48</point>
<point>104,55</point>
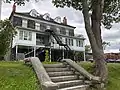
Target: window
<point>30,36</point>
<point>39,39</point>
<point>79,43</point>
<point>71,32</point>
<point>66,40</point>
<point>62,31</point>
<point>17,21</point>
<point>76,42</point>
<point>31,24</point>
<point>37,26</point>
<point>25,35</point>
<point>69,41</point>
<point>42,26</point>
<point>53,28</point>
<point>21,35</point>
<point>47,18</point>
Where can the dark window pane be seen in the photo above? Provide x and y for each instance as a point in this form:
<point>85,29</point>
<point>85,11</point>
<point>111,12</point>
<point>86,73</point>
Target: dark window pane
<point>17,21</point>
<point>62,31</point>
<point>31,24</point>
<point>40,39</point>
<point>53,28</point>
<point>66,40</point>
<point>76,42</point>
<point>71,32</point>
<point>71,42</point>
<point>42,26</point>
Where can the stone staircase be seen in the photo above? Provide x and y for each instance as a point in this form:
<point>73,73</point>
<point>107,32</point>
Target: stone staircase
<point>65,77</point>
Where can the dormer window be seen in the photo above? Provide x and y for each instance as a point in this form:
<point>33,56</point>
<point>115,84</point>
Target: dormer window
<point>34,13</point>
<point>58,19</point>
<point>46,16</point>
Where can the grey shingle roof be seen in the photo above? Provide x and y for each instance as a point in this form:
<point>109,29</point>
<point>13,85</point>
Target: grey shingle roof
<point>40,17</point>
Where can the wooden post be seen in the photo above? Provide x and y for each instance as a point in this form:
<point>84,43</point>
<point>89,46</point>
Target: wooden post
<point>16,51</point>
<point>34,51</point>
<point>63,53</point>
<point>84,55</point>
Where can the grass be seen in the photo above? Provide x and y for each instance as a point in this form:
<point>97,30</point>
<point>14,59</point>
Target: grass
<point>114,74</point>
<point>114,77</point>
<point>16,76</point>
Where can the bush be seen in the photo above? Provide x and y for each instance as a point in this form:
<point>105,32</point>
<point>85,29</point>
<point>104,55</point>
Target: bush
<point>47,59</point>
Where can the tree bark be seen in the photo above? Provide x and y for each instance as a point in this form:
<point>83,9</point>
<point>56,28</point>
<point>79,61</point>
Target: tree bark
<point>95,41</point>
<point>97,10</point>
<point>96,21</point>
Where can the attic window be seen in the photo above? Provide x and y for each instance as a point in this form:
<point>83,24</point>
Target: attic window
<point>46,16</point>
<point>34,13</point>
<point>58,19</point>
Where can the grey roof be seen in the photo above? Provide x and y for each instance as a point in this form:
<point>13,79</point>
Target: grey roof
<point>40,17</point>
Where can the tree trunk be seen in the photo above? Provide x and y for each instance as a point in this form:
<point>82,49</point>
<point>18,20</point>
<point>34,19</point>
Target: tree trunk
<point>95,42</point>
<point>97,10</point>
<point>96,21</point>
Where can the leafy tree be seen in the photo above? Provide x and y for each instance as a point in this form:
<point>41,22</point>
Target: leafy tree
<point>105,44</point>
<point>87,48</point>
<point>7,32</point>
<point>95,10</point>
<point>47,59</point>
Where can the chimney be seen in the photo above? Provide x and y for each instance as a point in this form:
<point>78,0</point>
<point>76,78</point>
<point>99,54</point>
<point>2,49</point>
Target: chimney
<point>14,7</point>
<point>65,21</point>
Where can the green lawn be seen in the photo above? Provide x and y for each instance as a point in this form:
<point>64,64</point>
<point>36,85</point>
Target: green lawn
<point>17,76</point>
<point>114,74</point>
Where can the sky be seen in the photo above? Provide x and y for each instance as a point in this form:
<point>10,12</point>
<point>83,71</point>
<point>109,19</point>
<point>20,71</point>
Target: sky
<point>75,18</point>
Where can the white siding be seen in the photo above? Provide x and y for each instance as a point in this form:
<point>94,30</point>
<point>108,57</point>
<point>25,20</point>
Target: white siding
<point>17,41</point>
<point>74,47</point>
<point>24,23</point>
<point>37,26</point>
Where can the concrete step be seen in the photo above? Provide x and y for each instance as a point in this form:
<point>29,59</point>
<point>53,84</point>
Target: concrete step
<point>56,69</point>
<point>69,83</point>
<point>60,65</point>
<point>53,74</point>
<point>79,87</point>
<point>64,78</point>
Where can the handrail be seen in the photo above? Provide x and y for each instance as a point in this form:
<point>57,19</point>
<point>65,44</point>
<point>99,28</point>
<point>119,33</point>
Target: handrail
<point>81,70</point>
<point>42,75</point>
<point>29,52</point>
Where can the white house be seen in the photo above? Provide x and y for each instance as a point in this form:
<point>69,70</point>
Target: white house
<point>32,37</point>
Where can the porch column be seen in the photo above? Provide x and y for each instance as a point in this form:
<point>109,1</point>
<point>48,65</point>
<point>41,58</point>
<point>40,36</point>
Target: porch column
<point>50,47</point>
<point>16,51</point>
<point>63,53</point>
<point>34,51</point>
<point>50,53</point>
<point>84,55</point>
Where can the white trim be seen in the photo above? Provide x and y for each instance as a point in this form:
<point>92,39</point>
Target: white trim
<point>16,51</point>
